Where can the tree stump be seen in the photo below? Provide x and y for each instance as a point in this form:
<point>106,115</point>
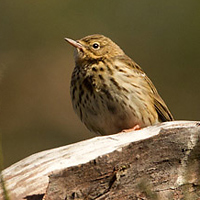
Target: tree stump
<point>157,162</point>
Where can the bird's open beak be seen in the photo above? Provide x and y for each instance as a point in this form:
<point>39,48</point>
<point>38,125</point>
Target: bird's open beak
<point>74,43</point>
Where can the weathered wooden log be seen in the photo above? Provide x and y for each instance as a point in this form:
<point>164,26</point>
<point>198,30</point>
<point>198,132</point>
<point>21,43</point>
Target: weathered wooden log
<point>157,162</point>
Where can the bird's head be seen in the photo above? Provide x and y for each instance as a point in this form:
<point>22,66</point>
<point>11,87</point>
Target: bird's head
<point>95,47</point>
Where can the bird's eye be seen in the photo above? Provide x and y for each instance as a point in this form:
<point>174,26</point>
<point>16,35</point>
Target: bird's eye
<point>96,45</point>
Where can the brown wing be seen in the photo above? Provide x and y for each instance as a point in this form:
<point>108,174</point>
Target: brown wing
<point>161,108</point>
<point>163,112</point>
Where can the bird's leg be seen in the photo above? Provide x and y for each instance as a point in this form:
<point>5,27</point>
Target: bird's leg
<point>135,128</point>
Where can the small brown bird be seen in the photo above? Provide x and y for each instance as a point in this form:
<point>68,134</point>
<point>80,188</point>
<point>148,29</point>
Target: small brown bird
<point>109,91</point>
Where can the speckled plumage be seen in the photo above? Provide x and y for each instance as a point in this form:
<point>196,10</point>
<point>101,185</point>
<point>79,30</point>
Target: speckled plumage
<point>109,91</point>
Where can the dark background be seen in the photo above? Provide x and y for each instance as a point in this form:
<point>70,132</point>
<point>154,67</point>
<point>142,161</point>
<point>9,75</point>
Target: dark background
<point>36,63</point>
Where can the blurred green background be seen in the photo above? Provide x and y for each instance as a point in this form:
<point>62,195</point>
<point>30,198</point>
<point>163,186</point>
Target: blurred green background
<point>36,63</point>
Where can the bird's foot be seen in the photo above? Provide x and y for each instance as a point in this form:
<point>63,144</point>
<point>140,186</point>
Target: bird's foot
<point>135,128</point>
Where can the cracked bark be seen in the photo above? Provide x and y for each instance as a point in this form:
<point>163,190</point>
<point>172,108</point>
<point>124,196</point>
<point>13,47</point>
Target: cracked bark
<point>159,162</point>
